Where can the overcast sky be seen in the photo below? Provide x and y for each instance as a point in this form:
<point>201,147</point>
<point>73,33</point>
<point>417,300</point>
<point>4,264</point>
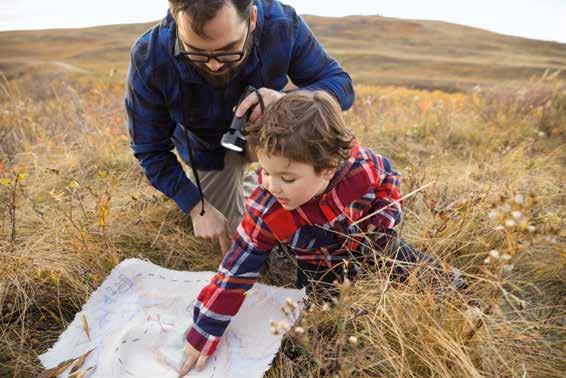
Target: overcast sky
<point>538,19</point>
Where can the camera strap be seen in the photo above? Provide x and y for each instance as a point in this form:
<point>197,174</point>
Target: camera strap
<point>195,172</point>
<point>260,100</point>
<point>189,149</point>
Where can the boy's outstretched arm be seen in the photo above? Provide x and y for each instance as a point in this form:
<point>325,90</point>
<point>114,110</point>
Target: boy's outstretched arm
<point>221,299</point>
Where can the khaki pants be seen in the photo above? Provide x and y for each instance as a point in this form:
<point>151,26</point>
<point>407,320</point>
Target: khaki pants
<point>227,189</point>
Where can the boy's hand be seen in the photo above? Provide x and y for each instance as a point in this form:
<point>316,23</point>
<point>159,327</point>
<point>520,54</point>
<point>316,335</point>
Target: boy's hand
<point>211,225</point>
<point>269,96</point>
<point>193,358</point>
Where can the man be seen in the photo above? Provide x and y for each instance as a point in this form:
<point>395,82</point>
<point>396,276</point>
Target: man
<point>189,70</point>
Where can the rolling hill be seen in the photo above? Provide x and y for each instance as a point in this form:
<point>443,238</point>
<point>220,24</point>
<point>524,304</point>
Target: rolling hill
<point>374,49</point>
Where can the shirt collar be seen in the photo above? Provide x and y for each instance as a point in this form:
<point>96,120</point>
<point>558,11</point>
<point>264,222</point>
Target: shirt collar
<point>343,169</point>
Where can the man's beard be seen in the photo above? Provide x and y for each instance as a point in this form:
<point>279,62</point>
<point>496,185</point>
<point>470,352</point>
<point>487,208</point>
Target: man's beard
<point>221,77</point>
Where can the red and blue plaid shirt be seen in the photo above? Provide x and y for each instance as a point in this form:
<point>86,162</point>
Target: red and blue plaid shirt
<point>320,232</point>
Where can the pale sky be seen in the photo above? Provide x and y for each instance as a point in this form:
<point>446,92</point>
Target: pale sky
<point>538,19</point>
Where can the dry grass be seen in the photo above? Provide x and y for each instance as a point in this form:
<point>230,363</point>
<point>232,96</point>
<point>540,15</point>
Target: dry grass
<point>75,203</point>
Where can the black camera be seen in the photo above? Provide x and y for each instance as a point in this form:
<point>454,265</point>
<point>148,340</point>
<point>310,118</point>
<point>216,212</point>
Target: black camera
<point>234,139</point>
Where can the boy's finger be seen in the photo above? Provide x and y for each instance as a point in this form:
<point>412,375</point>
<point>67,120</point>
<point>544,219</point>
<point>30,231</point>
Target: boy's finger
<point>201,362</point>
<point>187,366</point>
<point>246,104</point>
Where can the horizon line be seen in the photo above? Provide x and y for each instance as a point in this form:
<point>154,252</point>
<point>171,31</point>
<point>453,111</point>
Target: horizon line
<point>3,30</point>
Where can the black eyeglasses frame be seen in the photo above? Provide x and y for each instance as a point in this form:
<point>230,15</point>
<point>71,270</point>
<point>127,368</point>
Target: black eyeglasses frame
<point>179,52</point>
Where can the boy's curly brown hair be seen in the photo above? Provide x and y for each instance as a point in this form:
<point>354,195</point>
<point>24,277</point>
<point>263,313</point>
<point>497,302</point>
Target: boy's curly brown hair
<point>303,126</point>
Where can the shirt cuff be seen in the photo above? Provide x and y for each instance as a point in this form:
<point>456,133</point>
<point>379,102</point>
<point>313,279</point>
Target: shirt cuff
<point>187,197</point>
<point>205,345</point>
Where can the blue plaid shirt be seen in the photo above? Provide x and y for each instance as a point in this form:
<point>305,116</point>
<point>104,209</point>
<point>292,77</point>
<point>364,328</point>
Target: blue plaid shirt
<point>164,92</point>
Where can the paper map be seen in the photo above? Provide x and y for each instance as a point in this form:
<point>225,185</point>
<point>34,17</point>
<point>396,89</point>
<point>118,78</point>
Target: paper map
<point>138,317</point>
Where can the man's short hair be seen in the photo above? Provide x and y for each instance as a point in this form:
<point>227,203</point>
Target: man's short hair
<point>202,11</point>
<point>303,126</point>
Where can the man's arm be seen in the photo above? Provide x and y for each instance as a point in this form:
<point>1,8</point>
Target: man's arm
<point>150,129</point>
<point>311,68</point>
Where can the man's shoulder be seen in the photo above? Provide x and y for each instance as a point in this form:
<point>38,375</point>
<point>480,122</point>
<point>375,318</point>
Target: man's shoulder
<point>151,50</point>
<point>274,9</point>
<point>275,12</point>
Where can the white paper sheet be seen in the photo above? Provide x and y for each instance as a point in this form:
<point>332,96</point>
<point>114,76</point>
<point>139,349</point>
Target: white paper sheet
<point>138,316</point>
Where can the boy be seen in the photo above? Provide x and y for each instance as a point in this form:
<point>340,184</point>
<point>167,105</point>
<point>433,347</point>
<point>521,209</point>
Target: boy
<point>320,195</point>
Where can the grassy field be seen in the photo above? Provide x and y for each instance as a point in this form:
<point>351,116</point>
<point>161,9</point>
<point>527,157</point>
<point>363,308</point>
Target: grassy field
<point>74,203</point>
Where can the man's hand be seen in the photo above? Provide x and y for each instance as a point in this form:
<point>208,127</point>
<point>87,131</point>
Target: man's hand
<point>192,358</point>
<point>269,96</point>
<point>211,225</point>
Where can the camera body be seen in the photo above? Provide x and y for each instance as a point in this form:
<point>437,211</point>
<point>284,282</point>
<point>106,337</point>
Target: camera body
<point>234,139</point>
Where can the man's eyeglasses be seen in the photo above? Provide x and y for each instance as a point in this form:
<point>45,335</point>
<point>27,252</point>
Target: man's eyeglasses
<point>202,57</point>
